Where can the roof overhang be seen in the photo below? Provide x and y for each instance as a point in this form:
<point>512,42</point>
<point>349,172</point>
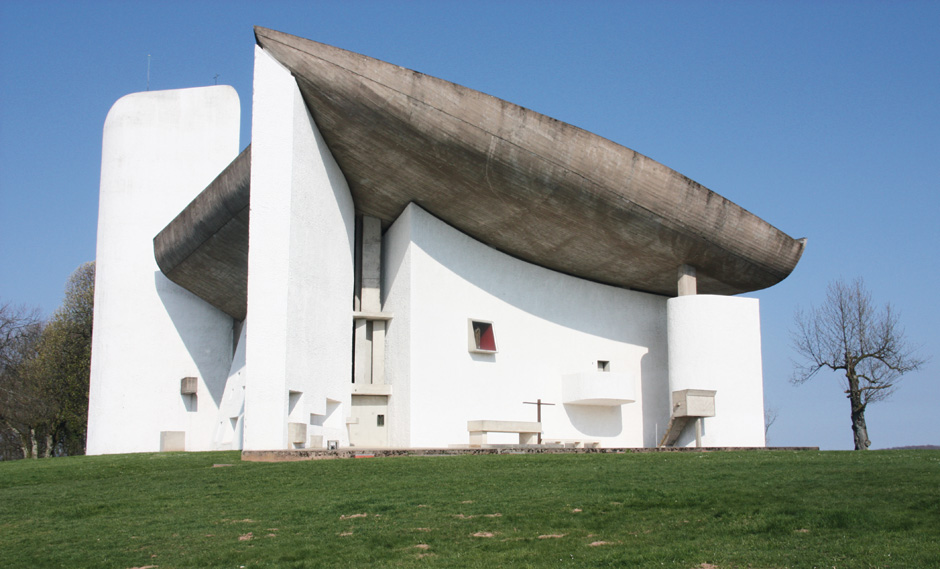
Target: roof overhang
<point>205,248</point>
<point>528,185</point>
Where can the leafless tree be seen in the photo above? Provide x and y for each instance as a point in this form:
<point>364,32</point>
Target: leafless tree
<point>22,405</point>
<point>770,417</point>
<point>14,322</point>
<point>849,334</point>
<point>44,373</point>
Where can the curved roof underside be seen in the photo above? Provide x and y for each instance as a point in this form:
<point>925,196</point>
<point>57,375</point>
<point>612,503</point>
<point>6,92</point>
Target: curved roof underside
<point>205,248</point>
<point>526,184</point>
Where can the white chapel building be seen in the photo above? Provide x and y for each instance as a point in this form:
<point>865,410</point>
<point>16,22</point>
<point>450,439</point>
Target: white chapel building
<point>397,261</point>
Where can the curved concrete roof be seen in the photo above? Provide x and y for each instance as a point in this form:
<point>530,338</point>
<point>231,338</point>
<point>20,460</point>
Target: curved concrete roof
<point>205,248</point>
<point>526,184</point>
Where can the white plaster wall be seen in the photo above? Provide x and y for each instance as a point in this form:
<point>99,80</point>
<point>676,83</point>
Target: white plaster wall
<point>547,325</point>
<point>300,268</point>
<point>714,343</point>
<point>396,299</point>
<point>231,419</point>
<point>160,149</point>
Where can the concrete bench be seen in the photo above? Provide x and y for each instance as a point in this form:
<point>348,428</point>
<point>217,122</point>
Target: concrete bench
<point>528,431</point>
<point>572,443</point>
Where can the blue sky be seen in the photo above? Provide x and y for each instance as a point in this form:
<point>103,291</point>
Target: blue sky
<point>821,117</point>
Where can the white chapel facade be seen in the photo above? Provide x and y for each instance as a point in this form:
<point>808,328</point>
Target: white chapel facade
<point>399,262</point>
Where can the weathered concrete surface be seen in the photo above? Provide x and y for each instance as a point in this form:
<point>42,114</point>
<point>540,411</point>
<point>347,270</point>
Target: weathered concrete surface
<point>313,454</point>
<point>524,183</point>
<point>205,248</point>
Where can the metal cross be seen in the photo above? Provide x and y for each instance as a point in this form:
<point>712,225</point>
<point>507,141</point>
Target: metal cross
<point>538,405</point>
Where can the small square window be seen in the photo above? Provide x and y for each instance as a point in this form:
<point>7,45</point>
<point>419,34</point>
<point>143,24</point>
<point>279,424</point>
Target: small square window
<point>482,337</point>
<point>603,365</point>
<point>380,420</point>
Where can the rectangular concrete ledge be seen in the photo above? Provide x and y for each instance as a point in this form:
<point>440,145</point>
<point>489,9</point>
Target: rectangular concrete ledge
<point>317,454</point>
<point>528,430</point>
<point>371,389</point>
<point>360,315</point>
<point>598,388</point>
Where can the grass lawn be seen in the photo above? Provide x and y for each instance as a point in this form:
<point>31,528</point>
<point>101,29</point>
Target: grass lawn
<point>688,510</point>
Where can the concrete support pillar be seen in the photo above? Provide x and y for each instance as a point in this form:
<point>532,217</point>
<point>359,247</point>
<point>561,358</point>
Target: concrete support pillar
<point>378,351</point>
<point>371,264</point>
<point>363,356</point>
<point>370,333</point>
<point>687,283</point>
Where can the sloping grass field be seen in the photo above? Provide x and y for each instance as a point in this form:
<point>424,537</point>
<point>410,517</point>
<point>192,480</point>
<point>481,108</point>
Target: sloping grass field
<point>772,509</point>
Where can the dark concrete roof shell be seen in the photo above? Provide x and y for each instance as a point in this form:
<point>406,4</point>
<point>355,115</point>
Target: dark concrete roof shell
<point>533,187</point>
<point>205,248</point>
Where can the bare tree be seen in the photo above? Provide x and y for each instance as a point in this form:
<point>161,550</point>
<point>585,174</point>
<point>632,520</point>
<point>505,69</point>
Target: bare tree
<point>770,417</point>
<point>849,334</point>
<point>44,373</point>
<point>23,408</point>
<point>15,321</point>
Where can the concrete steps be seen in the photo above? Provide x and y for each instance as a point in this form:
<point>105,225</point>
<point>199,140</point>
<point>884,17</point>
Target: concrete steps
<point>674,429</point>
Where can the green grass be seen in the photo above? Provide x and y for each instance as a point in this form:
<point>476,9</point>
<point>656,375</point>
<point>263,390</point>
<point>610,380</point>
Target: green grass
<point>686,510</point>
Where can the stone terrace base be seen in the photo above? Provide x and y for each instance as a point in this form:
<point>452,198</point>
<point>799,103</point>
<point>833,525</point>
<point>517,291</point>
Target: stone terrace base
<point>320,454</point>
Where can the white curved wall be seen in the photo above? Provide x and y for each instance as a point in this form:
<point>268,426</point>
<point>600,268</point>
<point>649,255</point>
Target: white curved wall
<point>714,344</point>
<point>160,149</point>
<point>547,325</point>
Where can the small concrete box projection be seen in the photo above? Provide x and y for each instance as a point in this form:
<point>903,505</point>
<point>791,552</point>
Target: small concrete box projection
<point>172,441</point>
<point>188,386</point>
<point>693,403</point>
<point>297,433</point>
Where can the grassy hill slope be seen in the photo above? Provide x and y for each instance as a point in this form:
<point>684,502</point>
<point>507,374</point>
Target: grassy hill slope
<point>685,510</point>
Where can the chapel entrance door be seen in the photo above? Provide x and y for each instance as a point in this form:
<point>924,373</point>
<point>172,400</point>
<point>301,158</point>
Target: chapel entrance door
<point>369,425</point>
